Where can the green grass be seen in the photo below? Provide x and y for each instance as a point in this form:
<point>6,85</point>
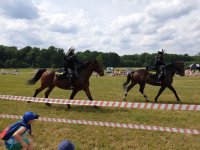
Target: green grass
<point>48,135</point>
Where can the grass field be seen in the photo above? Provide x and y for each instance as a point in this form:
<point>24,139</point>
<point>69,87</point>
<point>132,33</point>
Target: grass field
<point>48,135</point>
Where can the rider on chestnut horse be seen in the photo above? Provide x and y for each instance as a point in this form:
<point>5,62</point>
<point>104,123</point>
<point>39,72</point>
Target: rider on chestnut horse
<point>70,69</point>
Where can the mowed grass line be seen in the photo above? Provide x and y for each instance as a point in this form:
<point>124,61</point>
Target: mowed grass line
<point>48,135</point>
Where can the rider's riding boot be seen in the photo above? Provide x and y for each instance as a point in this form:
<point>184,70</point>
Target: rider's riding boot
<point>70,82</point>
<point>159,78</point>
<point>65,75</point>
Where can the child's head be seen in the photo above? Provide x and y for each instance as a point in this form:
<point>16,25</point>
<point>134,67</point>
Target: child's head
<point>30,116</point>
<point>66,145</point>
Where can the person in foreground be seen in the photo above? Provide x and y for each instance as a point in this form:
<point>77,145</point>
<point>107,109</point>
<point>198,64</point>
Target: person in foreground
<point>18,139</point>
<point>66,145</point>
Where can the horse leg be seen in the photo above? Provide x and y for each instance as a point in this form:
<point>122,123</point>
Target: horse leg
<point>174,91</point>
<point>160,91</point>
<point>37,91</point>
<point>128,89</point>
<point>142,86</point>
<point>72,96</point>
<point>48,91</point>
<point>87,91</point>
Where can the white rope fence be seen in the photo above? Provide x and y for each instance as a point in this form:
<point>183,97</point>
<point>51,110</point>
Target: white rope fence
<point>155,106</point>
<point>111,124</point>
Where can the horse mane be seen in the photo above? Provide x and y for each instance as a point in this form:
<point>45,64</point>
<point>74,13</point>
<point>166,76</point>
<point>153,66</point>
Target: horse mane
<point>85,64</point>
<point>174,63</point>
<point>171,64</point>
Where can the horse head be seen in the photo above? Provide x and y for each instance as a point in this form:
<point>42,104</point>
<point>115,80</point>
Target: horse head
<point>180,68</point>
<point>97,67</point>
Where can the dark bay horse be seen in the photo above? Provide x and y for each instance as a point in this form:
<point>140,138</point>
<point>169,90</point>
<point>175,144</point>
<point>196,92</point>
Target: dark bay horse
<point>49,80</point>
<point>142,77</point>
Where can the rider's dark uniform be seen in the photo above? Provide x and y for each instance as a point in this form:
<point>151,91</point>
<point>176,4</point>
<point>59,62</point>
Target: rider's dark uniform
<point>160,65</point>
<point>70,61</point>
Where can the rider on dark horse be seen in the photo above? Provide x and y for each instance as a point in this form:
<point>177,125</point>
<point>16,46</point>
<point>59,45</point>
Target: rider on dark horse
<point>70,68</point>
<point>160,65</point>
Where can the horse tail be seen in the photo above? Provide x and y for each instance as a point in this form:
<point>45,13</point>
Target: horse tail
<point>36,77</point>
<point>128,79</point>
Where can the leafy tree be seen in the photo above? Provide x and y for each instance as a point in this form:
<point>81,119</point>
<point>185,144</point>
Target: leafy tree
<point>111,59</point>
<point>100,60</point>
<point>32,56</point>
<point>53,57</point>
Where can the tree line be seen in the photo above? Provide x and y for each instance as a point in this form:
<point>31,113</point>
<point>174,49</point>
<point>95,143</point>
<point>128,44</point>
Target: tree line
<point>52,57</point>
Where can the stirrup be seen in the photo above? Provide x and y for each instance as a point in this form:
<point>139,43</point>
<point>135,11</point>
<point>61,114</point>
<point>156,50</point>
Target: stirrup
<point>71,87</point>
<point>158,81</point>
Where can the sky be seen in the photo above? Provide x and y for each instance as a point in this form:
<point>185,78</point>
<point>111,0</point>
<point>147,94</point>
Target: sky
<point>122,26</point>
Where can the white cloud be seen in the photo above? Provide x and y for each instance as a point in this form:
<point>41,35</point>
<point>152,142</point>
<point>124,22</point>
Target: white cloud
<point>165,10</point>
<point>22,9</point>
<point>124,27</point>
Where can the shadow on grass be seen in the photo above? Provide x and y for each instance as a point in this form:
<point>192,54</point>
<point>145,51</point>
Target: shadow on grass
<point>163,102</point>
<point>58,107</point>
<point>90,109</point>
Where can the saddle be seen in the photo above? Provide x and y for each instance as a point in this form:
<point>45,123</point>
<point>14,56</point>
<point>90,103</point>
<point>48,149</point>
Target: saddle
<point>152,72</point>
<point>156,73</point>
<point>60,74</point>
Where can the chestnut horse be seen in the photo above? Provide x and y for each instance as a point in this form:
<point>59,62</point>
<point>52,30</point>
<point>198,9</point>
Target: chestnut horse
<point>49,80</point>
<point>142,77</point>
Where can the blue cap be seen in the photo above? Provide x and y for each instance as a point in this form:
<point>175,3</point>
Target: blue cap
<point>66,145</point>
<point>30,116</point>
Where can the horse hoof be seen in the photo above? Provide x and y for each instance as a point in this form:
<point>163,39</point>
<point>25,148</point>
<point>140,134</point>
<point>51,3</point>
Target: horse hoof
<point>156,101</point>
<point>147,100</point>
<point>48,104</point>
<point>124,98</point>
<point>96,107</point>
<point>178,100</point>
<point>68,106</point>
<point>28,101</point>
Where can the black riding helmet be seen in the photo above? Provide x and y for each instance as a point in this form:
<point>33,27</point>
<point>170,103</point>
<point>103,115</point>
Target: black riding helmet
<point>71,50</point>
<point>161,51</point>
